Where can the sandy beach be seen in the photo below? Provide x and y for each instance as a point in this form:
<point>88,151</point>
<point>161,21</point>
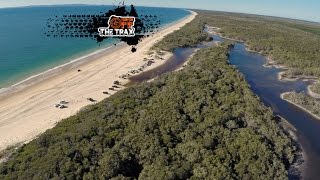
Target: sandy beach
<point>29,112</point>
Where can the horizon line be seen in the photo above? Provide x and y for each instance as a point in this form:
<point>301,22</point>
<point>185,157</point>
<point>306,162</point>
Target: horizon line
<point>265,15</point>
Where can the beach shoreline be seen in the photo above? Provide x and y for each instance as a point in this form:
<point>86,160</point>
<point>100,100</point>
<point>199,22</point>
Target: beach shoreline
<point>27,111</point>
<point>76,62</point>
<point>49,73</point>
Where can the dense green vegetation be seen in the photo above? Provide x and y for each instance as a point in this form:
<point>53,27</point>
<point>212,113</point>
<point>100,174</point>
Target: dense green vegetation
<point>315,88</point>
<point>200,122</point>
<point>308,28</point>
<point>304,101</point>
<point>190,35</point>
<point>293,44</point>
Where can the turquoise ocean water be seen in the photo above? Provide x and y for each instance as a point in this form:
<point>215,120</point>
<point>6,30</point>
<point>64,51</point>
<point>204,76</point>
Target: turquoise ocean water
<point>26,51</point>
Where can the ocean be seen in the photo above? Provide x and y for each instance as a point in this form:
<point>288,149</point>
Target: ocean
<point>25,50</point>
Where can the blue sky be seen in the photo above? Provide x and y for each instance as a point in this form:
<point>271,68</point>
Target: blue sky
<point>298,9</point>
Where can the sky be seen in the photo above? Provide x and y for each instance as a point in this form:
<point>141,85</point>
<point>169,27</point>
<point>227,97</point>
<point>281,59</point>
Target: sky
<point>297,9</point>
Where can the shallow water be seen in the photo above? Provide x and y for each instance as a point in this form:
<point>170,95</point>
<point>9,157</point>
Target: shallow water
<point>265,84</point>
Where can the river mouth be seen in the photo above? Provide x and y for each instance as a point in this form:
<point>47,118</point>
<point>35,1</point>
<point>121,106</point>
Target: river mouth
<point>180,55</point>
<point>265,84</point>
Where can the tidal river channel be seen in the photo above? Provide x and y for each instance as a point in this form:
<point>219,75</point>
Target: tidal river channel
<point>264,83</point>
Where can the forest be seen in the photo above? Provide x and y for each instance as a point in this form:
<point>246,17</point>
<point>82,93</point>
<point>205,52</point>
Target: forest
<point>201,122</point>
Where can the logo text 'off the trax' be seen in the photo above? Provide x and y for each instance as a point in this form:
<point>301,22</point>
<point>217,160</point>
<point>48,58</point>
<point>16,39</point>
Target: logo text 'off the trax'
<point>119,22</point>
<point>118,26</point>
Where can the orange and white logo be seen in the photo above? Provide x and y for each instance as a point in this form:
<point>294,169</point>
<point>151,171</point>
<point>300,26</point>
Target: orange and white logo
<point>118,26</point>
